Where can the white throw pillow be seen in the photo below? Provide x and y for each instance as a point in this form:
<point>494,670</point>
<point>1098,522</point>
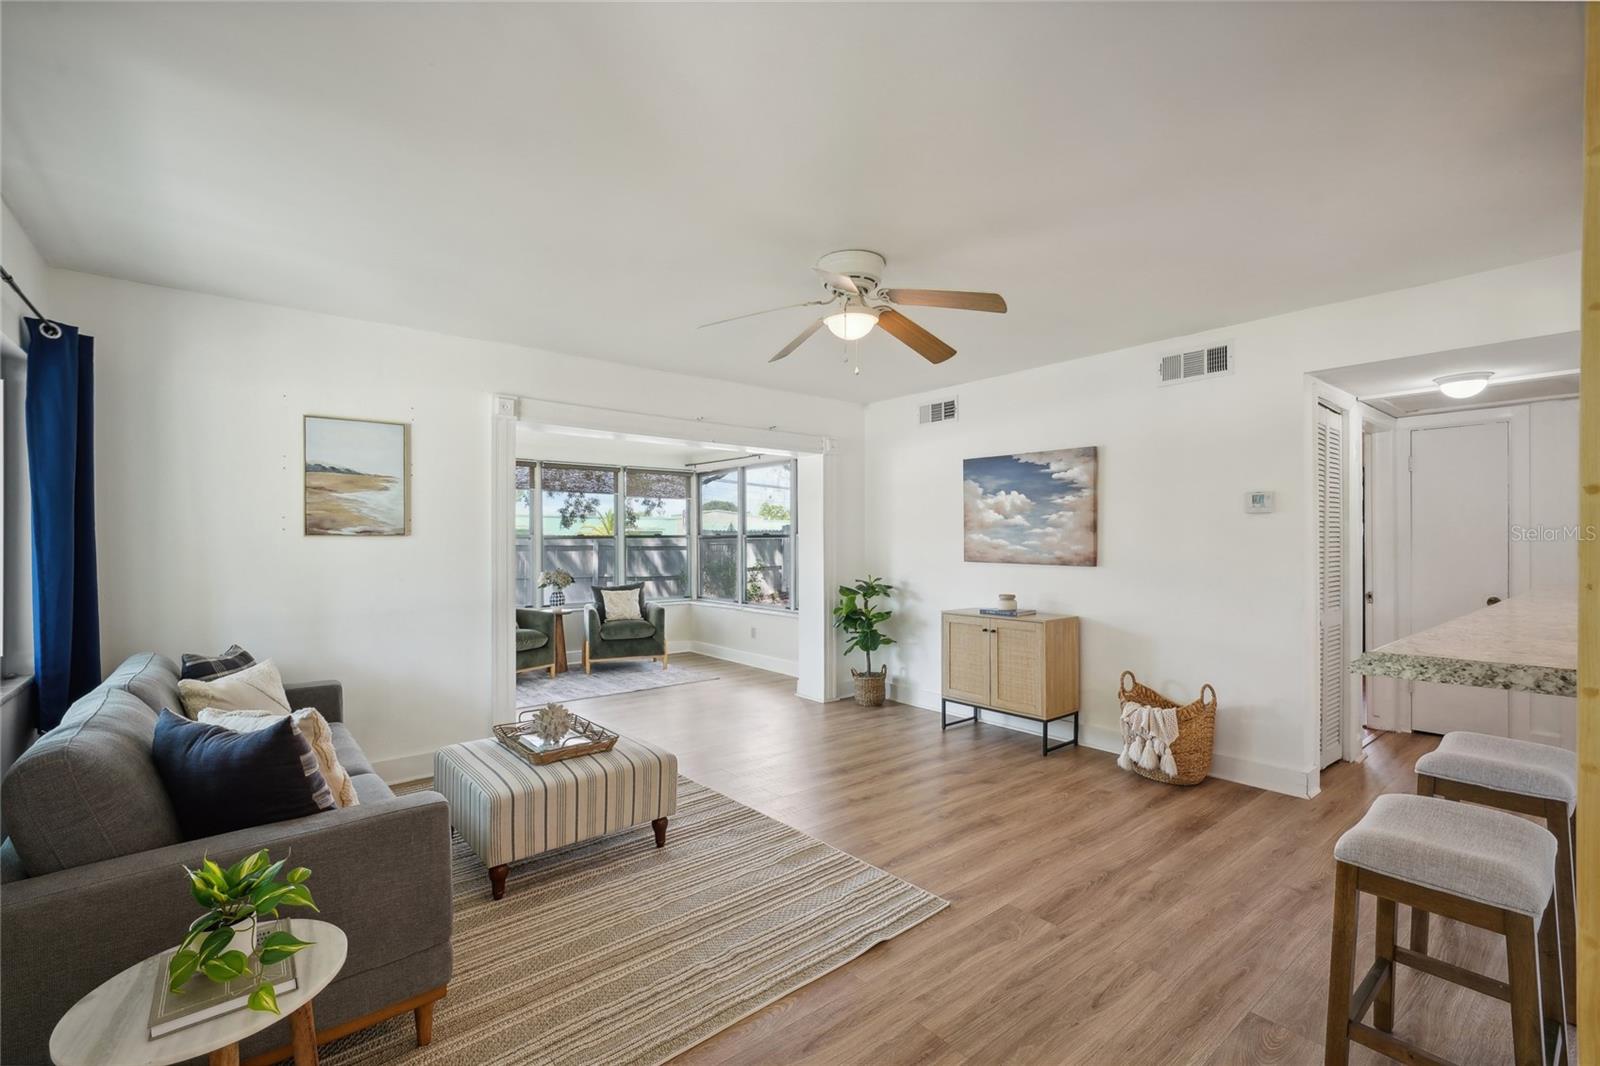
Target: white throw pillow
<point>311,725</point>
<point>621,604</point>
<point>252,688</point>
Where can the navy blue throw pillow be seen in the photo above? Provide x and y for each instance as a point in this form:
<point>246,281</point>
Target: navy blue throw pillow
<point>220,780</point>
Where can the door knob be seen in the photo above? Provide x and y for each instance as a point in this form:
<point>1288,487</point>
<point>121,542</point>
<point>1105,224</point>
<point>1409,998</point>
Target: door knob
<point>1491,601</point>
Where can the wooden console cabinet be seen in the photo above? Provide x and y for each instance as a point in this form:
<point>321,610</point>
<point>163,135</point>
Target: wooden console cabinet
<point>1026,666</point>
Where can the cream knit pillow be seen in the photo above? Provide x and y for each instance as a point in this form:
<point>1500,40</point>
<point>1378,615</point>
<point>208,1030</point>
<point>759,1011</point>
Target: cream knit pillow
<point>621,603</point>
<point>311,725</point>
<point>253,688</point>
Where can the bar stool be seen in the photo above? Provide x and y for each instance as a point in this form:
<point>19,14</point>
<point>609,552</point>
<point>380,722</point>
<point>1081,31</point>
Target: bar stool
<point>1525,778</point>
<point>1480,866</point>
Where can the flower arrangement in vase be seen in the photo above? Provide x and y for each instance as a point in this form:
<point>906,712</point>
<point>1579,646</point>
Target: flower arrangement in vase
<point>556,581</point>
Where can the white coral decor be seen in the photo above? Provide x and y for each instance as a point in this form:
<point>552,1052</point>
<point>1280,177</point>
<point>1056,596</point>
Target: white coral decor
<point>554,722</point>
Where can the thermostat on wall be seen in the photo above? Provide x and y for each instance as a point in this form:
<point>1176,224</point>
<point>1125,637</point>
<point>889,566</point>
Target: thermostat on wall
<point>1258,502</point>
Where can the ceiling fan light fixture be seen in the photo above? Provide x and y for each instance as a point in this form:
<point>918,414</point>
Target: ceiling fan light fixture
<point>852,323</point>
<point>1464,386</point>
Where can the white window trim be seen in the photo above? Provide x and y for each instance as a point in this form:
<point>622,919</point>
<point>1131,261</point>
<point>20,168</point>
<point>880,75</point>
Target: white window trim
<point>741,538</point>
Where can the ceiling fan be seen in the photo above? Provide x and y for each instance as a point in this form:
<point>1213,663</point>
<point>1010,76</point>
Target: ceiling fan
<point>851,281</point>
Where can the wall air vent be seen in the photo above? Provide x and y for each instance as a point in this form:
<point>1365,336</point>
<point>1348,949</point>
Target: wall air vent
<point>1200,363</point>
<point>940,411</point>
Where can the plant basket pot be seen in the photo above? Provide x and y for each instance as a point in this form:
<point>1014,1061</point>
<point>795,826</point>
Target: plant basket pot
<point>869,687</point>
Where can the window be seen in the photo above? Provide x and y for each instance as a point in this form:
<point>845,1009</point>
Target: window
<point>747,535</point>
<point>769,533</point>
<point>741,522</point>
<point>656,532</point>
<point>527,587</point>
<point>578,512</point>
<point>719,535</point>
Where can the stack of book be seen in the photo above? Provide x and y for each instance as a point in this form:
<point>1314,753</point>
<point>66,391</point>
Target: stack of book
<point>203,999</point>
<point>1006,612</point>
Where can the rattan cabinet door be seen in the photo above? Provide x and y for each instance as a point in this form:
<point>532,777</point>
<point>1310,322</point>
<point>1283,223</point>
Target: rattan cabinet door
<point>966,659</point>
<point>1018,670</point>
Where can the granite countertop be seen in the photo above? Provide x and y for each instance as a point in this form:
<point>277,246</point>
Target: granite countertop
<point>1528,643</point>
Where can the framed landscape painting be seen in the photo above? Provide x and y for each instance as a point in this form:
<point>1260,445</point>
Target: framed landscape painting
<point>357,477</point>
<point>1037,507</point>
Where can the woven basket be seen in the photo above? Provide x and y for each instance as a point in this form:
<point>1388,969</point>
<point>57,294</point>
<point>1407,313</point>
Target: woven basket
<point>869,687</point>
<point>1197,726</point>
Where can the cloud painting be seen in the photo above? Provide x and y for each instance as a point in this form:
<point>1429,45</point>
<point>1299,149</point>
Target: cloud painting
<point>1038,507</point>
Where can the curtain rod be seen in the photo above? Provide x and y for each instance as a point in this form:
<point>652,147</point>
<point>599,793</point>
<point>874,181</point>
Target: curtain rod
<point>46,327</point>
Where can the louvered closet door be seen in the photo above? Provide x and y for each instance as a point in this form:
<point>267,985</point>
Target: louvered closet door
<point>1333,669</point>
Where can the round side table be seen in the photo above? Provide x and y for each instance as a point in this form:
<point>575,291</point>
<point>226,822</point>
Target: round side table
<point>112,1023</point>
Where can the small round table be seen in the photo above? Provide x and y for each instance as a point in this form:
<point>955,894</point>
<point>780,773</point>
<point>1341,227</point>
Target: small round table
<point>112,1023</point>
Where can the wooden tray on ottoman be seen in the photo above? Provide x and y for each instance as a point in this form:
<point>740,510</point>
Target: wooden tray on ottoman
<point>583,738</point>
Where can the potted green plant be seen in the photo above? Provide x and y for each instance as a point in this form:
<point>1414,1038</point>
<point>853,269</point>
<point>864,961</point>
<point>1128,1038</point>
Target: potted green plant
<point>856,615</point>
<point>221,943</point>
<point>557,581</point>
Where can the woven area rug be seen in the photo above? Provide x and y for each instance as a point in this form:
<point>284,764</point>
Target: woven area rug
<point>617,952</point>
<point>536,689</point>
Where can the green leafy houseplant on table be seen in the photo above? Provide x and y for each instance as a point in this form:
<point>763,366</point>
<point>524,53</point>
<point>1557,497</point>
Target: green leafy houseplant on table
<point>234,899</point>
<point>856,615</point>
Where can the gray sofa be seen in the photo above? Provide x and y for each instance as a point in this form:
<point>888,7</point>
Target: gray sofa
<point>93,880</point>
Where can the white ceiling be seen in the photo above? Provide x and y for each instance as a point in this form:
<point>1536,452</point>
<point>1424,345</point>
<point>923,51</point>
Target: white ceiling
<point>597,179</point>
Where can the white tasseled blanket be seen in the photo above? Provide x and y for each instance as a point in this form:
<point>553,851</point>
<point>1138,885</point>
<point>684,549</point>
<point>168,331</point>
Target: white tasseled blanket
<point>1148,734</point>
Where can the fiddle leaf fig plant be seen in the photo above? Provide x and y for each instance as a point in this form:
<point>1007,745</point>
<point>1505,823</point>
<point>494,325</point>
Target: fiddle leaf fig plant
<point>856,615</point>
<point>234,899</point>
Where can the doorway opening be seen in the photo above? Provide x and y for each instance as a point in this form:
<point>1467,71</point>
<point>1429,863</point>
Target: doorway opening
<point>1454,504</point>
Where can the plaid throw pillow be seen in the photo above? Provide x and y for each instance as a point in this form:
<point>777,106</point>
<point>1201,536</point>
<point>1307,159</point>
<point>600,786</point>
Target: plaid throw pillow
<point>204,667</point>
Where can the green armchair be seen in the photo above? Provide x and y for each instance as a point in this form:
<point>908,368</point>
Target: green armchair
<point>536,646</point>
<point>625,638</point>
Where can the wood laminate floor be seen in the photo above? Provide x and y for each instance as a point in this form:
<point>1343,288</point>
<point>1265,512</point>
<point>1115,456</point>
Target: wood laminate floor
<point>1095,918</point>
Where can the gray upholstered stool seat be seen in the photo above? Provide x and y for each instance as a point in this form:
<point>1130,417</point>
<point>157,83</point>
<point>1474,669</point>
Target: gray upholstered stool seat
<point>1507,765</point>
<point>1476,852</point>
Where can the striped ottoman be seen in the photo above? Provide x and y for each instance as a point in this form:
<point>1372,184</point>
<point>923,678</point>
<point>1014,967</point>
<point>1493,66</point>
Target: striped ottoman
<point>509,809</point>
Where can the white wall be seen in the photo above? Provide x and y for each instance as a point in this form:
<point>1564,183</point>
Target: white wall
<point>1553,492</point>
<point>1189,588</point>
<point>198,486</point>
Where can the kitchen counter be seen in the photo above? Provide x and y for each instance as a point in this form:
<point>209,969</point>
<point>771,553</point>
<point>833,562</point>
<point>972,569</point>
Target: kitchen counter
<point>1528,643</point>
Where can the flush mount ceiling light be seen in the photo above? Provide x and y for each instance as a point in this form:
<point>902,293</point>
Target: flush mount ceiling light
<point>853,323</point>
<point>1463,386</point>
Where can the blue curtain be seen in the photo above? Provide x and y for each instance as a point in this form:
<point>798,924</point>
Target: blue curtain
<point>66,600</point>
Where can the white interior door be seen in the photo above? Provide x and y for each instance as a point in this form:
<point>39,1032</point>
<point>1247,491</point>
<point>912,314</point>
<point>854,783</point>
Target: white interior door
<point>1333,669</point>
<point>1460,557</point>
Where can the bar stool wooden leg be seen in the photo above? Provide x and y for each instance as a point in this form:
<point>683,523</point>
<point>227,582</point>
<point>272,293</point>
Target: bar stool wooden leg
<point>1551,982</point>
<point>1341,965</point>
<point>1560,824</point>
<point>1522,970</point>
<point>1383,1006</point>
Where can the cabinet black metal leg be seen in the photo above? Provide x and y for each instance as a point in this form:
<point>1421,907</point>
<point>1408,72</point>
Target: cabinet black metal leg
<point>1044,735</point>
<point>946,724</point>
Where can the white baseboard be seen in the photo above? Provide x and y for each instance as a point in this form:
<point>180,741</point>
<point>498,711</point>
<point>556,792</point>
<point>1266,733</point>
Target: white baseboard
<point>786,667</point>
<point>1261,775</point>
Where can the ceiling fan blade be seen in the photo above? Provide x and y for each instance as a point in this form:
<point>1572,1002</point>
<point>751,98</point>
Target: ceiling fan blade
<point>768,311</point>
<point>964,301</point>
<point>805,335</point>
<point>842,282</point>
<point>914,336</point>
